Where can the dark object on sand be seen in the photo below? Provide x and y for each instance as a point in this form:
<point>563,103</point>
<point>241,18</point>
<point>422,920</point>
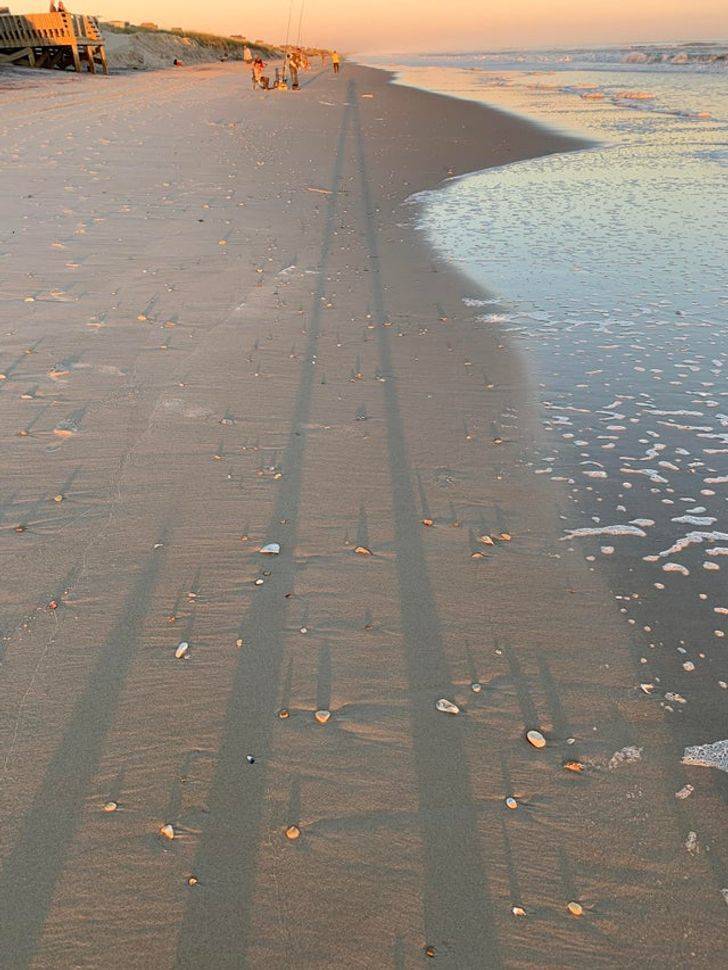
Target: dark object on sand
<point>177,62</point>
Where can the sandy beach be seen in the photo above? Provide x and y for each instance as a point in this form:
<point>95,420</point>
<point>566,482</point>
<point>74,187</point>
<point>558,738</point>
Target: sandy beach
<point>220,330</point>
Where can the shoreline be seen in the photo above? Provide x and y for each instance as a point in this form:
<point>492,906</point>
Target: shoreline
<point>248,342</point>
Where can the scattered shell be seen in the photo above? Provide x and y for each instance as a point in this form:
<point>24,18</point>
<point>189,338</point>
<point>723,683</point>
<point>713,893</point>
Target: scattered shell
<point>575,766</point>
<point>192,880</point>
<point>576,909</point>
<point>427,522</point>
<point>713,755</point>
<point>363,551</point>
<point>58,498</point>
<point>182,650</point>
<point>259,582</point>
<point>430,951</point>
<point>487,540</point>
<point>270,549</point>
<point>447,707</point>
<point>625,756</point>
<point>239,642</point>
<point>518,911</point>
<point>505,537</point>
<point>283,713</point>
<point>111,806</point>
<point>685,792</point>
<point>250,759</point>
<point>292,833</point>
<point>511,802</point>
<point>688,665</point>
<point>691,843</point>
<point>476,687</point>
<point>167,831</point>
<point>536,739</point>
<point>647,688</point>
<point>322,716</point>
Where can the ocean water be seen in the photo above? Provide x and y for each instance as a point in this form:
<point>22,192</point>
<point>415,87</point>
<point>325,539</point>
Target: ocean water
<point>609,267</point>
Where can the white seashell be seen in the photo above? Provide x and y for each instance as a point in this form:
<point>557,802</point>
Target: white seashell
<point>167,831</point>
<point>182,650</point>
<point>511,802</point>
<point>576,909</point>
<point>322,716</point>
<point>270,549</point>
<point>447,707</point>
<point>476,688</point>
<point>518,911</point>
<point>536,739</point>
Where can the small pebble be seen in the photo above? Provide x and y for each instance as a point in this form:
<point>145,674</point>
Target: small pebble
<point>182,650</point>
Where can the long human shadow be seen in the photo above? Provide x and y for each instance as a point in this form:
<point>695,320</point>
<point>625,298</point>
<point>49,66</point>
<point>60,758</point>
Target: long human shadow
<point>457,908</point>
<point>217,923</point>
<point>32,869</point>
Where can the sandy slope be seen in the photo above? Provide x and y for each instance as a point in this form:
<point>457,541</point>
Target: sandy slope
<point>220,330</point>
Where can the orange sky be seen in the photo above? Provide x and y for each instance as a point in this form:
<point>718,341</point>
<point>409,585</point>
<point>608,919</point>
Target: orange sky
<point>428,25</point>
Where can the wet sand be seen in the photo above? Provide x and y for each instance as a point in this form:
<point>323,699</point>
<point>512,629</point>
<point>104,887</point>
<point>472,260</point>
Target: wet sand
<point>221,330</point>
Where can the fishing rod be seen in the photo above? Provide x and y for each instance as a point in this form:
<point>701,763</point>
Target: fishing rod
<point>288,32</point>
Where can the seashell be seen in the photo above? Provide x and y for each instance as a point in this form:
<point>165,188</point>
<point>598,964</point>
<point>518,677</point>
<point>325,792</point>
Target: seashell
<point>270,549</point>
<point>362,551</point>
<point>505,536</point>
<point>283,713</point>
<point>239,642</point>
<point>192,881</point>
<point>20,528</point>
<point>476,687</point>
<point>487,540</point>
<point>57,498</point>
<point>430,951</point>
<point>250,759</point>
<point>304,629</point>
<point>322,716</point>
<point>518,911</point>
<point>182,650</point>
<point>259,582</point>
<point>292,833</point>
<point>111,806</point>
<point>427,522</point>
<point>647,688</point>
<point>447,707</point>
<point>53,605</point>
<point>167,831</point>
<point>575,766</point>
<point>511,802</point>
<point>536,739</point>
<point>576,909</point>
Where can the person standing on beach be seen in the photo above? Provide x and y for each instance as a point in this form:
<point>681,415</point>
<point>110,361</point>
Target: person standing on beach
<point>336,61</point>
<point>257,72</point>
<point>293,65</point>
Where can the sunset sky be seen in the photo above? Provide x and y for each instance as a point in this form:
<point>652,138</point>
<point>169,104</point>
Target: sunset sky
<point>426,24</point>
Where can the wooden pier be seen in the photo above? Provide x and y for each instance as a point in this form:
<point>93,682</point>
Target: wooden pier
<point>52,40</point>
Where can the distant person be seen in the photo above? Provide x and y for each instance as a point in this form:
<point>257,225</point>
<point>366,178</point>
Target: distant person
<point>52,8</point>
<point>257,72</point>
<point>293,66</point>
<point>336,61</point>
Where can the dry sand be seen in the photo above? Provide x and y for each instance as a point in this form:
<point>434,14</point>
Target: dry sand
<point>219,329</point>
